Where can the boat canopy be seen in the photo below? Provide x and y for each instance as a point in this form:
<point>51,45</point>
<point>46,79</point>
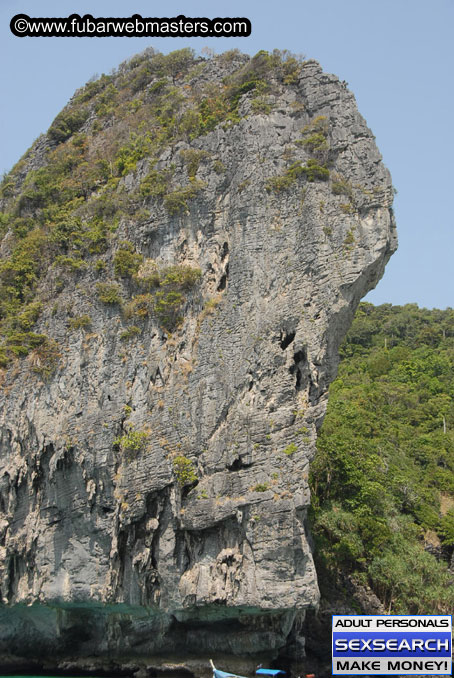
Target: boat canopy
<point>269,673</point>
<point>224,674</point>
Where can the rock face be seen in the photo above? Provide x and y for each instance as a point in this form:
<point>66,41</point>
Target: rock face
<point>154,474</point>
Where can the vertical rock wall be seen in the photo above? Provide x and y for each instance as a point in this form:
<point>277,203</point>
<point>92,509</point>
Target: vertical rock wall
<point>193,540</point>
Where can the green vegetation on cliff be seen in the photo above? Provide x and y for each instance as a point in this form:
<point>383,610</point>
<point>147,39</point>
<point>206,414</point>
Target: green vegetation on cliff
<point>65,203</point>
<point>383,477</point>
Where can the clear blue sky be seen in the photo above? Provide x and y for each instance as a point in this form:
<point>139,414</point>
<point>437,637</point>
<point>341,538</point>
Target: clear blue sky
<point>396,55</point>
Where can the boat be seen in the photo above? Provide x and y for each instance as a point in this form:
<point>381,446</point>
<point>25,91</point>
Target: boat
<point>223,674</point>
<point>265,673</point>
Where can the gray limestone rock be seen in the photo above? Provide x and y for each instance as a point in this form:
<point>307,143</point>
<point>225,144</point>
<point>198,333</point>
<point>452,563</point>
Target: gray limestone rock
<point>193,542</point>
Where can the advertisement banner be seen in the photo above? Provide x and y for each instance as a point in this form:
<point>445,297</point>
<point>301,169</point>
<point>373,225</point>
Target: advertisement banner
<point>392,644</point>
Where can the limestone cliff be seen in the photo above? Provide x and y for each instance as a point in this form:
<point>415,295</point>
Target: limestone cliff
<point>198,234</point>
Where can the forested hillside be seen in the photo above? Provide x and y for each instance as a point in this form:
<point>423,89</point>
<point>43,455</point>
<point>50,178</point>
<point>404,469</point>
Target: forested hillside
<point>383,477</point>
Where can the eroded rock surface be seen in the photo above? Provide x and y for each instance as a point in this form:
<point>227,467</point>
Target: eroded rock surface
<point>112,548</point>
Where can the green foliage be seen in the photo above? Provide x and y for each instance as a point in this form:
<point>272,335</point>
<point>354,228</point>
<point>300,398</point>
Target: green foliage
<point>290,449</point>
<point>170,298</point>
<point>243,185</point>
<point>312,171</point>
<point>19,344</point>
<point>176,202</point>
<point>131,332</point>
<point>253,74</point>
<point>107,206</point>
<point>212,110</point>
<point>4,358</point>
<point>139,146</point>
<point>177,277</point>
<point>19,273</point>
<point>320,124</point>
<point>105,103</point>
<point>167,307</point>
<point>95,236</point>
<point>285,181</point>
<point>5,220</point>
<point>141,78</point>
<point>346,208</point>
<point>236,91</point>
<point>108,293</point>
<point>30,314</point>
<point>65,178</point>
<point>291,71</point>
<point>156,184</point>
<point>46,358</point>
<point>316,142</point>
<point>132,442</point>
<point>166,294</point>
<point>349,239</point>
<point>66,123</point>
<point>175,63</point>
<point>341,185</point>
<point>411,581</point>
<point>180,277</point>
<point>184,470</point>
<point>140,306</point>
<point>193,157</point>
<point>446,528</point>
<point>80,322</point>
<point>315,138</point>
<point>280,183</point>
<point>148,276</point>
<point>91,89</point>
<point>18,311</point>
<point>18,337</point>
<point>261,487</point>
<point>6,190</point>
<point>70,263</point>
<point>252,79</point>
<point>100,266</point>
<point>261,105</point>
<point>19,226</point>
<point>126,261</point>
<point>386,458</point>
